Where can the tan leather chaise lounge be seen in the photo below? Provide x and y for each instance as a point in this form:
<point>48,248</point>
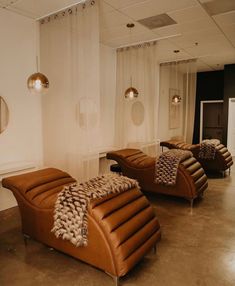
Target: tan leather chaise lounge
<point>222,161</point>
<point>122,227</point>
<point>191,180</point>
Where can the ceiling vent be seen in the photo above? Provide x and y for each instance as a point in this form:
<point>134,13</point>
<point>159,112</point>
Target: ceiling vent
<point>158,21</point>
<point>215,7</point>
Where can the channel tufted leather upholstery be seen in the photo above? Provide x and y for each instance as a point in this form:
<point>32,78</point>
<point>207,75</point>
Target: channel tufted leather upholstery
<point>222,161</point>
<point>191,180</point>
<point>122,228</point>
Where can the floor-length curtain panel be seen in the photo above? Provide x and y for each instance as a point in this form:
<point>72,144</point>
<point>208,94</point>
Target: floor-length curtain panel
<point>135,119</point>
<point>70,58</point>
<point>177,120</point>
<point>190,85</point>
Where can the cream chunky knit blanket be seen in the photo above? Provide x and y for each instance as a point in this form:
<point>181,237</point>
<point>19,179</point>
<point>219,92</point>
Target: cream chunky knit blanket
<point>167,166</point>
<point>71,207</point>
<point>208,149</point>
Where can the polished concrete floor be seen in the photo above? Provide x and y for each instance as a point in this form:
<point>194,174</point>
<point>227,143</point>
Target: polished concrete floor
<point>197,248</point>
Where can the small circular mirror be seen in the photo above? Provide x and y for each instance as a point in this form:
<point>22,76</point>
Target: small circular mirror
<point>137,113</point>
<point>4,115</point>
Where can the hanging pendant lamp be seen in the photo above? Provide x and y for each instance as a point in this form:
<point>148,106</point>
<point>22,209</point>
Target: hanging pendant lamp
<point>176,98</point>
<point>38,83</point>
<point>131,92</point>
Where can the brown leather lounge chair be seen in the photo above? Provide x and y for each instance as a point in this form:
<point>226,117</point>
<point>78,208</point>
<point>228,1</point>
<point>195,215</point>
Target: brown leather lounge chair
<point>191,180</point>
<point>222,161</point>
<point>122,227</point>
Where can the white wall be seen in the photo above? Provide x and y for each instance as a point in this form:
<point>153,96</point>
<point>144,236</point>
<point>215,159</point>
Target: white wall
<point>22,140</point>
<point>107,95</point>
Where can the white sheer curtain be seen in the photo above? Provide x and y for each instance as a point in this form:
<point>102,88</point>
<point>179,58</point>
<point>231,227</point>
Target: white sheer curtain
<point>177,121</point>
<point>136,119</point>
<point>70,58</point>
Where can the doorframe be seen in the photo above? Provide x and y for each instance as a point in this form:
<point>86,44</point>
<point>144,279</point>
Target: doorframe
<point>231,99</point>
<point>201,112</point>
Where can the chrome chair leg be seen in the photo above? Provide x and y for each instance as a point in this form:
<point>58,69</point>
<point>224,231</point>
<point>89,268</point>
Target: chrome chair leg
<point>116,281</point>
<point>26,238</point>
<point>191,203</point>
<point>115,278</point>
<point>155,249</point>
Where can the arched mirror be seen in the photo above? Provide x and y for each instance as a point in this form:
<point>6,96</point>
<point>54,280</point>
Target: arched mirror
<point>4,115</point>
<point>137,113</point>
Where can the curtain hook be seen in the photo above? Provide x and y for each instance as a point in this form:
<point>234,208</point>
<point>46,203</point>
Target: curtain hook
<point>70,11</point>
<point>92,2</point>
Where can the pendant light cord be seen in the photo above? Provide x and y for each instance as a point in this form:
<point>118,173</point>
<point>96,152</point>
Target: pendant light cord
<point>37,63</point>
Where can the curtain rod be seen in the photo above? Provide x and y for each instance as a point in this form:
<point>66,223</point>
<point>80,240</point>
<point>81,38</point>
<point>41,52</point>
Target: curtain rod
<point>178,61</point>
<point>153,40</point>
<point>60,10</point>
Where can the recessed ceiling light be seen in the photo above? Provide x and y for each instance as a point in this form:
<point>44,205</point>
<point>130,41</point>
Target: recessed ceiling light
<point>130,25</point>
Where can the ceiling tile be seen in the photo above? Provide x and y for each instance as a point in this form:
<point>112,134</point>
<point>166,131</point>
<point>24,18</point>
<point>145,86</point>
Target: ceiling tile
<point>151,8</point>
<point>120,4</point>
<point>203,36</point>
<point>104,7</point>
<point>168,30</point>
<point>229,30</point>
<point>215,7</point>
<point>122,32</point>
<point>5,3</point>
<point>218,61</point>
<point>42,7</point>
<point>113,18</point>
<point>210,49</point>
<point>197,25</point>
<point>123,41</point>
<point>188,14</point>
<point>201,66</point>
<point>225,19</point>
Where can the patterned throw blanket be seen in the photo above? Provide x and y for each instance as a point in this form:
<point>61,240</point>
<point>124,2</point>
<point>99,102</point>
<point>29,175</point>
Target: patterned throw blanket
<point>167,166</point>
<point>71,207</point>
<point>208,149</point>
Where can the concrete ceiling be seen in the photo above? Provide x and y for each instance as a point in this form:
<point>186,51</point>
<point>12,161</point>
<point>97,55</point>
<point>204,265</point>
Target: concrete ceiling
<point>197,33</point>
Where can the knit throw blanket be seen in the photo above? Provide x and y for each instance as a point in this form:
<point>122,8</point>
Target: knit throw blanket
<point>167,166</point>
<point>208,149</point>
<point>71,207</point>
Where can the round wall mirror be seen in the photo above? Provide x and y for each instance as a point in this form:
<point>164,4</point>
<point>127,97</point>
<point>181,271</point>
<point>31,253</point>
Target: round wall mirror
<point>137,113</point>
<point>4,115</point>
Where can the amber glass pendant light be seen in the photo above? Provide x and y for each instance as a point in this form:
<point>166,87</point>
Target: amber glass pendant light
<point>131,92</point>
<point>176,98</point>
<point>38,83</point>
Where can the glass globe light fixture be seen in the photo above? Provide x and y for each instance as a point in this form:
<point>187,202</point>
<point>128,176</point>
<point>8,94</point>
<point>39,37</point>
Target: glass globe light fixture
<point>176,99</point>
<point>131,93</point>
<point>38,83</point>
